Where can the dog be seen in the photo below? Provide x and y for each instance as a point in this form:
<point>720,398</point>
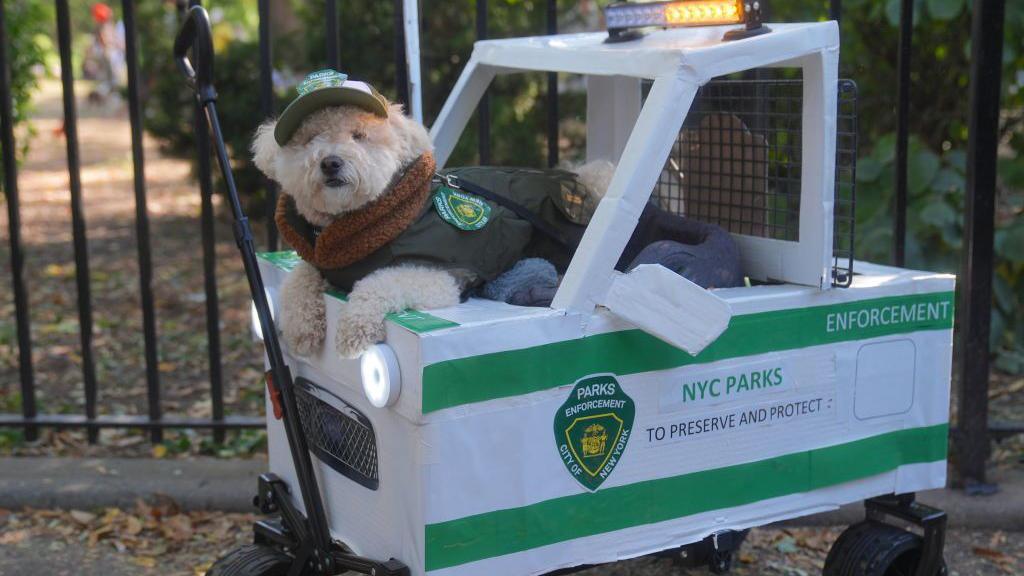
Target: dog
<point>357,181</point>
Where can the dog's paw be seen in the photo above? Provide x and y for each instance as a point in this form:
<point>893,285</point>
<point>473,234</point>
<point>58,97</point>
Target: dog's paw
<point>303,338</point>
<point>356,332</point>
<point>303,318</point>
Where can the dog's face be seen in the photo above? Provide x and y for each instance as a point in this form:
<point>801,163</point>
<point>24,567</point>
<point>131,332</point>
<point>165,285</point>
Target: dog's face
<point>340,158</point>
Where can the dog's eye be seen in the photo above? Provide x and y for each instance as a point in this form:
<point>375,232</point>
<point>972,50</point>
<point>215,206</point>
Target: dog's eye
<point>358,135</point>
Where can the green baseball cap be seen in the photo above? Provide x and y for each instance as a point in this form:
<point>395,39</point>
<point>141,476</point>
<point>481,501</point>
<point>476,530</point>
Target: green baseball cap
<point>323,89</point>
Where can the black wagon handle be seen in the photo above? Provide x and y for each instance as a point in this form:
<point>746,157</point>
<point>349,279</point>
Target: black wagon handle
<point>196,34</point>
<point>198,71</point>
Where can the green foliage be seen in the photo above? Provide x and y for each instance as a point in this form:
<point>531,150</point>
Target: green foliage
<point>936,194</point>
<point>29,50</point>
<point>169,104</point>
<point>240,443</point>
<point>10,403</point>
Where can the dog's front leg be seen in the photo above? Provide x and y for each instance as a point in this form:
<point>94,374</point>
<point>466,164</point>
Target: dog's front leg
<point>390,290</point>
<point>303,315</point>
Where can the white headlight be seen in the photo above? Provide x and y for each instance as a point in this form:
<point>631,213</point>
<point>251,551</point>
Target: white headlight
<point>382,380</point>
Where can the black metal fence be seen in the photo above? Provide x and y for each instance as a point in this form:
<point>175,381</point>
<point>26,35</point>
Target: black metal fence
<point>971,438</point>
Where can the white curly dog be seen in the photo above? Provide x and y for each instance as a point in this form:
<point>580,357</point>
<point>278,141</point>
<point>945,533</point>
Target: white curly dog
<point>340,159</point>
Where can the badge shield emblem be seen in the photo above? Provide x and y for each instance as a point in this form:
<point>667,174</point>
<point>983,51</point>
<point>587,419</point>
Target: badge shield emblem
<point>464,211</point>
<point>592,429</point>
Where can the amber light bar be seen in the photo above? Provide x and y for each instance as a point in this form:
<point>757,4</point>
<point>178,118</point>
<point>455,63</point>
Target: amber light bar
<point>684,13</point>
<point>624,16</point>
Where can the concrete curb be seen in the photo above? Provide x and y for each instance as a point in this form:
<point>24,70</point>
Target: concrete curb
<point>228,485</point>
<point>87,483</point>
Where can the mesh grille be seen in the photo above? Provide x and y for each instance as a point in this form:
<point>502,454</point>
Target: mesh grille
<point>342,438</point>
<point>736,162</point>
<point>846,184</point>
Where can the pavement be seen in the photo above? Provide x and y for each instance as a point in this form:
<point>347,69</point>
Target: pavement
<point>228,485</point>
<point>89,483</point>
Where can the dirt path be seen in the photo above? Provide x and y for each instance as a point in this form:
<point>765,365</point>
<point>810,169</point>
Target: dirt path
<point>108,193</point>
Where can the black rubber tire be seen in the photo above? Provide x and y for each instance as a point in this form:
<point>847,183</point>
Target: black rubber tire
<point>843,547</point>
<point>252,560</point>
<point>872,548</point>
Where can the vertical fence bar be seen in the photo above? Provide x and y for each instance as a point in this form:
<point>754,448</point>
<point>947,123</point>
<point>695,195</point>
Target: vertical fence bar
<point>333,46</point>
<point>552,96</point>
<point>902,130</point>
<point>835,10</point>
<point>210,272</point>
<point>401,64</point>
<point>142,221</point>
<point>77,215</point>
<point>483,110</point>
<point>208,236</point>
<point>975,305</point>
<point>267,109</point>
<point>10,163</point>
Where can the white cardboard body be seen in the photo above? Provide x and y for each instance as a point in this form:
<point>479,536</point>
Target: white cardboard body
<point>468,460</point>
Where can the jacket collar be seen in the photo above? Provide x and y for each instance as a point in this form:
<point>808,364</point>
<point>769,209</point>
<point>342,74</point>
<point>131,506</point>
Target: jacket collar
<point>355,235</point>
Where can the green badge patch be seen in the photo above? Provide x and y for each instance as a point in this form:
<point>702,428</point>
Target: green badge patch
<point>592,429</point>
<point>321,79</point>
<point>464,211</point>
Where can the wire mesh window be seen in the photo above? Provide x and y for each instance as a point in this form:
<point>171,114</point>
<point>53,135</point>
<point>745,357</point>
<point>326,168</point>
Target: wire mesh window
<point>342,438</point>
<point>737,161</point>
<point>846,184</point>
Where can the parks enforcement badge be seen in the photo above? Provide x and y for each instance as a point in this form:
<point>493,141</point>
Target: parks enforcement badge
<point>592,429</point>
<point>464,211</point>
<point>321,79</point>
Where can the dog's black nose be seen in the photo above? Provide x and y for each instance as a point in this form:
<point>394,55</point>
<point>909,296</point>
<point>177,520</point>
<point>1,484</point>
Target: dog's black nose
<point>331,165</point>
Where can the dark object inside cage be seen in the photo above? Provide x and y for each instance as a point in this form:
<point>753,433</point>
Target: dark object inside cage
<point>737,162</point>
<point>338,434</point>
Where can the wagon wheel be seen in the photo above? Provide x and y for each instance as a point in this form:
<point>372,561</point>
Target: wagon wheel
<point>252,560</point>
<point>871,548</point>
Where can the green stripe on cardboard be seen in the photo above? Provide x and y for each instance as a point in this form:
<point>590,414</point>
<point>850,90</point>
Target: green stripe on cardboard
<point>513,530</point>
<point>420,322</point>
<point>414,320</point>
<point>516,372</point>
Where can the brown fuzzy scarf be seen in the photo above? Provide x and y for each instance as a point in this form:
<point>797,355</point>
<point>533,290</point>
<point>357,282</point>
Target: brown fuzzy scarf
<point>355,235</point>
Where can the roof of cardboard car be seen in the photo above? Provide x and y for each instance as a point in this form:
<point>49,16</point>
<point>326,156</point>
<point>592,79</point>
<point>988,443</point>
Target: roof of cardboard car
<point>700,51</point>
<point>679,61</point>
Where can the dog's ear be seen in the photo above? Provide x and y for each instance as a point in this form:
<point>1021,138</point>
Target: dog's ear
<point>264,148</point>
<point>412,133</point>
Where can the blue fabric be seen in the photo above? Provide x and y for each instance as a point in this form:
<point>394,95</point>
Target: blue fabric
<point>526,274</point>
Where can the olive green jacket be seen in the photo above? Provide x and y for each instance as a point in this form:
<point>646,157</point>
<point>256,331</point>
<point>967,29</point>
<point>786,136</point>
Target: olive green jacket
<point>476,256</point>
